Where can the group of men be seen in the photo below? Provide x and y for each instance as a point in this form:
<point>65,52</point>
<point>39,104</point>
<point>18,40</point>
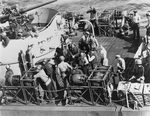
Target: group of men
<point>55,76</point>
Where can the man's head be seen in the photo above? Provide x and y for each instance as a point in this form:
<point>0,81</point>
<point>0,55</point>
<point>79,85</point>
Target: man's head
<point>7,66</point>
<point>135,11</point>
<point>44,61</point>
<point>139,62</point>
<point>62,58</point>
<point>34,28</point>
<point>38,67</point>
<point>87,33</point>
<point>118,56</point>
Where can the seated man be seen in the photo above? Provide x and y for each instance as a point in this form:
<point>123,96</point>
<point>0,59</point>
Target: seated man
<point>120,66</point>
<point>138,72</point>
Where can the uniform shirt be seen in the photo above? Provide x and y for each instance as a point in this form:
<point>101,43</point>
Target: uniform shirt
<point>63,67</point>
<point>59,21</point>
<point>146,55</point>
<point>147,40</point>
<point>92,16</point>
<point>105,62</point>
<point>48,68</point>
<point>138,71</point>
<point>136,18</point>
<point>41,74</point>
<point>103,52</point>
<point>121,63</point>
<point>94,42</point>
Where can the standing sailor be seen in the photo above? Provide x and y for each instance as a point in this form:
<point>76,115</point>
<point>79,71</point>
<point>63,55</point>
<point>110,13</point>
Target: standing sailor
<point>136,26</point>
<point>63,71</point>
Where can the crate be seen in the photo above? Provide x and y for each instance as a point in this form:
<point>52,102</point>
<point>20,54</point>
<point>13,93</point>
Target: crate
<point>137,90</point>
<point>131,92</point>
<point>146,93</point>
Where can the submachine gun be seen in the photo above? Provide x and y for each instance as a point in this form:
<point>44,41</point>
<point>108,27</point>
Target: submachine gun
<point>18,20</point>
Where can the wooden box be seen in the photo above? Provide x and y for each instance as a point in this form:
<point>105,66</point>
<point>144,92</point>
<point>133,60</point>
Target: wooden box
<point>146,93</point>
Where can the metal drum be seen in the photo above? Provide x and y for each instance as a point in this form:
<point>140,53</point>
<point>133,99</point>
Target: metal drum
<point>14,80</point>
<point>97,76</point>
<point>105,18</point>
<point>78,79</point>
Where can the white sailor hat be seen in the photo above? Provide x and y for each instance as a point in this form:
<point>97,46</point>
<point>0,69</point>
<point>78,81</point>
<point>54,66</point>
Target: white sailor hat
<point>118,56</point>
<point>7,66</point>
<point>138,61</point>
<point>87,32</point>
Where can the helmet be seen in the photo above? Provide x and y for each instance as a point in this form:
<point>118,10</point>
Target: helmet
<point>34,28</point>
<point>62,58</point>
<point>139,61</point>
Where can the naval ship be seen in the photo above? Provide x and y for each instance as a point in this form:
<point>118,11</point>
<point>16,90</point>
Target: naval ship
<point>42,46</point>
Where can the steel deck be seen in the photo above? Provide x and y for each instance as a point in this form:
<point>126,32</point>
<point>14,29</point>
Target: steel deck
<point>126,47</point>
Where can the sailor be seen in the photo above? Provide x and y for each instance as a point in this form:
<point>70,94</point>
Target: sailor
<point>45,83</point>
<point>59,21</point>
<point>147,36</point>
<point>63,67</point>
<point>121,66</point>
<point>146,62</point>
<point>34,32</point>
<point>124,23</point>
<point>94,43</point>
<point>48,66</point>
<point>92,12</point>
<point>93,18</point>
<point>3,37</point>
<point>74,52</point>
<point>8,74</point>
<point>63,71</point>
<point>136,25</point>
<point>93,59</point>
<point>88,42</point>
<point>84,63</point>
<point>84,42</point>
<point>103,56</point>
<point>148,18</point>
<point>138,72</point>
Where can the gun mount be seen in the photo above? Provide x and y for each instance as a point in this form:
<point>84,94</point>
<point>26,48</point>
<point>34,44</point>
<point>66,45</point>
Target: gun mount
<point>18,20</point>
<point>8,11</point>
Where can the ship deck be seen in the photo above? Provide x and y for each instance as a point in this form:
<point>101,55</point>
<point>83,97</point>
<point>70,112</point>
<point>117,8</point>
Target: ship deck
<point>126,47</point>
